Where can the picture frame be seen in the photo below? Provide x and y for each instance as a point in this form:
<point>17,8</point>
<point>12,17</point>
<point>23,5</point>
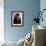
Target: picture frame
<point>17,18</point>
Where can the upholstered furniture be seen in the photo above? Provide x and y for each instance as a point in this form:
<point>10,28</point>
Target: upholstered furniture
<point>26,41</point>
<point>39,33</point>
<point>8,43</point>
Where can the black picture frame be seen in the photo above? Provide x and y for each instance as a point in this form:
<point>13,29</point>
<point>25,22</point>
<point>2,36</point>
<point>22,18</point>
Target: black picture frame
<point>17,18</point>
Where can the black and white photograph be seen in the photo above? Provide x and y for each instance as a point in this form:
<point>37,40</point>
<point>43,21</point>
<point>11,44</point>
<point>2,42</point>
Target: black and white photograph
<point>17,18</point>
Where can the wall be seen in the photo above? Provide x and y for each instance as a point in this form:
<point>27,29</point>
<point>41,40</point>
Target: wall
<point>29,7</point>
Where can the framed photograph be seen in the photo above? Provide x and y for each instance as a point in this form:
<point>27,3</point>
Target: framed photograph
<point>17,18</point>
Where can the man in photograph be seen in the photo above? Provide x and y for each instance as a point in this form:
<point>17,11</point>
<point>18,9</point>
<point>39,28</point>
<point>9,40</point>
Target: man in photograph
<point>17,19</point>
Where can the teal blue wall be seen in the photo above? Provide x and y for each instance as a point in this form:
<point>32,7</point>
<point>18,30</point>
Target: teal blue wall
<point>29,7</point>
